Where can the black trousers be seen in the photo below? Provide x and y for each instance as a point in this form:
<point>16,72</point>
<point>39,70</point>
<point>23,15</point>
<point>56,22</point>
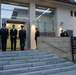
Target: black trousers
<point>4,42</point>
<point>22,44</point>
<point>36,42</point>
<point>13,43</point>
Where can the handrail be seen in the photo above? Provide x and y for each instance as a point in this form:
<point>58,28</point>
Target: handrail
<point>54,47</point>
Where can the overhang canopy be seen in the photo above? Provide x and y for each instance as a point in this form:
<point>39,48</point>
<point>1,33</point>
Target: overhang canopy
<point>47,3</point>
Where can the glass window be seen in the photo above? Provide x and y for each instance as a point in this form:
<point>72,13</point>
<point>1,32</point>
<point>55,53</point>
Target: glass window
<point>45,20</point>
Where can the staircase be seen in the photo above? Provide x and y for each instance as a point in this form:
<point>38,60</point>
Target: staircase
<point>34,62</point>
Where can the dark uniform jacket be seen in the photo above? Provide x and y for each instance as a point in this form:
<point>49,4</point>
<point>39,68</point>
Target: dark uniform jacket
<point>37,34</point>
<point>22,34</point>
<point>13,33</point>
<point>4,33</point>
<point>62,34</point>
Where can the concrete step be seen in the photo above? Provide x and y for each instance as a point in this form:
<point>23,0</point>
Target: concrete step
<point>5,67</point>
<point>20,51</point>
<point>47,71</point>
<point>25,57</point>
<point>52,61</point>
<point>72,72</point>
<point>44,70</point>
<point>21,54</point>
<point>32,63</point>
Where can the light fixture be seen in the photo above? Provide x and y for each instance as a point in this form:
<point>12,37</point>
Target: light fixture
<point>61,24</point>
<point>43,13</point>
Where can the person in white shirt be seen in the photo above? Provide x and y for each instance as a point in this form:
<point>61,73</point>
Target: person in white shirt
<point>13,37</point>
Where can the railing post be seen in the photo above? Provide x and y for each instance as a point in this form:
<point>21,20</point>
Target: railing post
<point>72,48</point>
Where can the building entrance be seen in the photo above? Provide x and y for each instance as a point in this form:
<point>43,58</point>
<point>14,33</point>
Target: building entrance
<point>17,24</point>
<point>17,15</point>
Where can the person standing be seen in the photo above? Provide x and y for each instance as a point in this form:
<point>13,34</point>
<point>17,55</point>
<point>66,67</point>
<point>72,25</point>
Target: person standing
<point>37,34</point>
<point>66,34</point>
<point>13,37</point>
<point>22,37</point>
<point>4,36</point>
<point>62,33</point>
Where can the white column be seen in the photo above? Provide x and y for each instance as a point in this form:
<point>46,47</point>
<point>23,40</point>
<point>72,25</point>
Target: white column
<point>0,15</point>
<point>0,24</point>
<point>57,24</point>
<point>32,25</point>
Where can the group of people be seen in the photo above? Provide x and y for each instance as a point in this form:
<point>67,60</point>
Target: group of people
<point>4,33</point>
<point>64,33</point>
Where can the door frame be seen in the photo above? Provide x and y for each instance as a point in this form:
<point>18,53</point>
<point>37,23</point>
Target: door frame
<point>5,20</point>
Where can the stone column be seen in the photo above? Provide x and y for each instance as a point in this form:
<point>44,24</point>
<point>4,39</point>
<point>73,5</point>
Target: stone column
<point>0,23</point>
<point>32,25</point>
<point>0,15</point>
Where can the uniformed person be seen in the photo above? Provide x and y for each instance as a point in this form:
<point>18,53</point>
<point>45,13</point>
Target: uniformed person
<point>22,37</point>
<point>13,37</point>
<point>37,34</point>
<point>4,36</point>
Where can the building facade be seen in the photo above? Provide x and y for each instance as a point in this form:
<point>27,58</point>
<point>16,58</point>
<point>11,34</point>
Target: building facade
<point>49,16</point>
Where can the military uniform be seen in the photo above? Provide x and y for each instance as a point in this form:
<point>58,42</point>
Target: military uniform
<point>22,37</point>
<point>13,37</point>
<point>4,36</point>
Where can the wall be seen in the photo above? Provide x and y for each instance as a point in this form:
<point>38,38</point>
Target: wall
<point>63,15</point>
<point>60,46</point>
<point>69,22</point>
<point>73,24</point>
